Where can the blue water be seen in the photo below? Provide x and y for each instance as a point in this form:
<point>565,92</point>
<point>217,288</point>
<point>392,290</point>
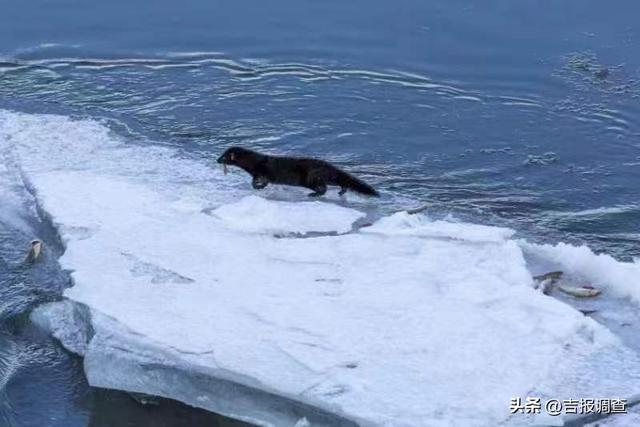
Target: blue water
<point>522,114</point>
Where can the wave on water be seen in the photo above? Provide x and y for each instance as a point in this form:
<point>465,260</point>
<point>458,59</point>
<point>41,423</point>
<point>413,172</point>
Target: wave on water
<point>602,211</point>
<point>9,361</point>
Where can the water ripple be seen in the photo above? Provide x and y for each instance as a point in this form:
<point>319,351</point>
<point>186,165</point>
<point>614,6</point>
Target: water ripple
<point>243,69</point>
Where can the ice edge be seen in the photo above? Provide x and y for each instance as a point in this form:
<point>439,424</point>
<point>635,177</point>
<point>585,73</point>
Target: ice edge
<point>115,358</point>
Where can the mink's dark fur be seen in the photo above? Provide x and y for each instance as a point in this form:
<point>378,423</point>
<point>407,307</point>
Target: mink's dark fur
<point>302,172</point>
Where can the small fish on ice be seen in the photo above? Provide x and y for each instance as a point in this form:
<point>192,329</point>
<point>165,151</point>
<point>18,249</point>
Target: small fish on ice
<point>580,291</point>
<point>546,282</point>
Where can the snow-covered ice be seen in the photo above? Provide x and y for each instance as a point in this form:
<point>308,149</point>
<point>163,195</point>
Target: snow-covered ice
<point>623,279</point>
<point>403,223</point>
<point>200,290</point>
<point>255,214</point>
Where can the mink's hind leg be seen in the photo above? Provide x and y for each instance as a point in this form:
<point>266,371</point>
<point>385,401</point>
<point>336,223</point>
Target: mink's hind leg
<point>342,191</point>
<point>259,182</point>
<point>319,189</point>
<point>316,182</point>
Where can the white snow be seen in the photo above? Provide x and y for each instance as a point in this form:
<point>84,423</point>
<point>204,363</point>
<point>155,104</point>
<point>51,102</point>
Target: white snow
<point>599,270</point>
<point>403,223</point>
<point>255,214</point>
<point>408,322</point>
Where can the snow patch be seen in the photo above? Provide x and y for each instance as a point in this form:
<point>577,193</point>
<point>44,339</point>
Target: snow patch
<point>403,223</point>
<point>257,215</point>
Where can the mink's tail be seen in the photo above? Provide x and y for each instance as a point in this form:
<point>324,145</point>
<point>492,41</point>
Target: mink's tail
<point>352,183</point>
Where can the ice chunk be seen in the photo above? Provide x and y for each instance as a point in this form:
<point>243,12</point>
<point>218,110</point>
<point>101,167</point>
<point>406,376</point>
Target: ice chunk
<point>256,215</point>
<point>68,322</point>
<point>408,322</point>
<point>404,223</point>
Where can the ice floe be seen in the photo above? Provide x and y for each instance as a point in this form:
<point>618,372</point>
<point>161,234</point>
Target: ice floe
<point>407,322</point>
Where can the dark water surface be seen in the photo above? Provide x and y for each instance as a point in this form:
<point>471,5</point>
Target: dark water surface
<point>515,113</point>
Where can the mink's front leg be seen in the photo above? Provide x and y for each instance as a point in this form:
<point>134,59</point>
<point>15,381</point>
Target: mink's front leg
<point>259,182</point>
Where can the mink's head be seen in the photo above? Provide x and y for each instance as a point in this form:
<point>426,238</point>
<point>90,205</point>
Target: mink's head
<point>235,156</point>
